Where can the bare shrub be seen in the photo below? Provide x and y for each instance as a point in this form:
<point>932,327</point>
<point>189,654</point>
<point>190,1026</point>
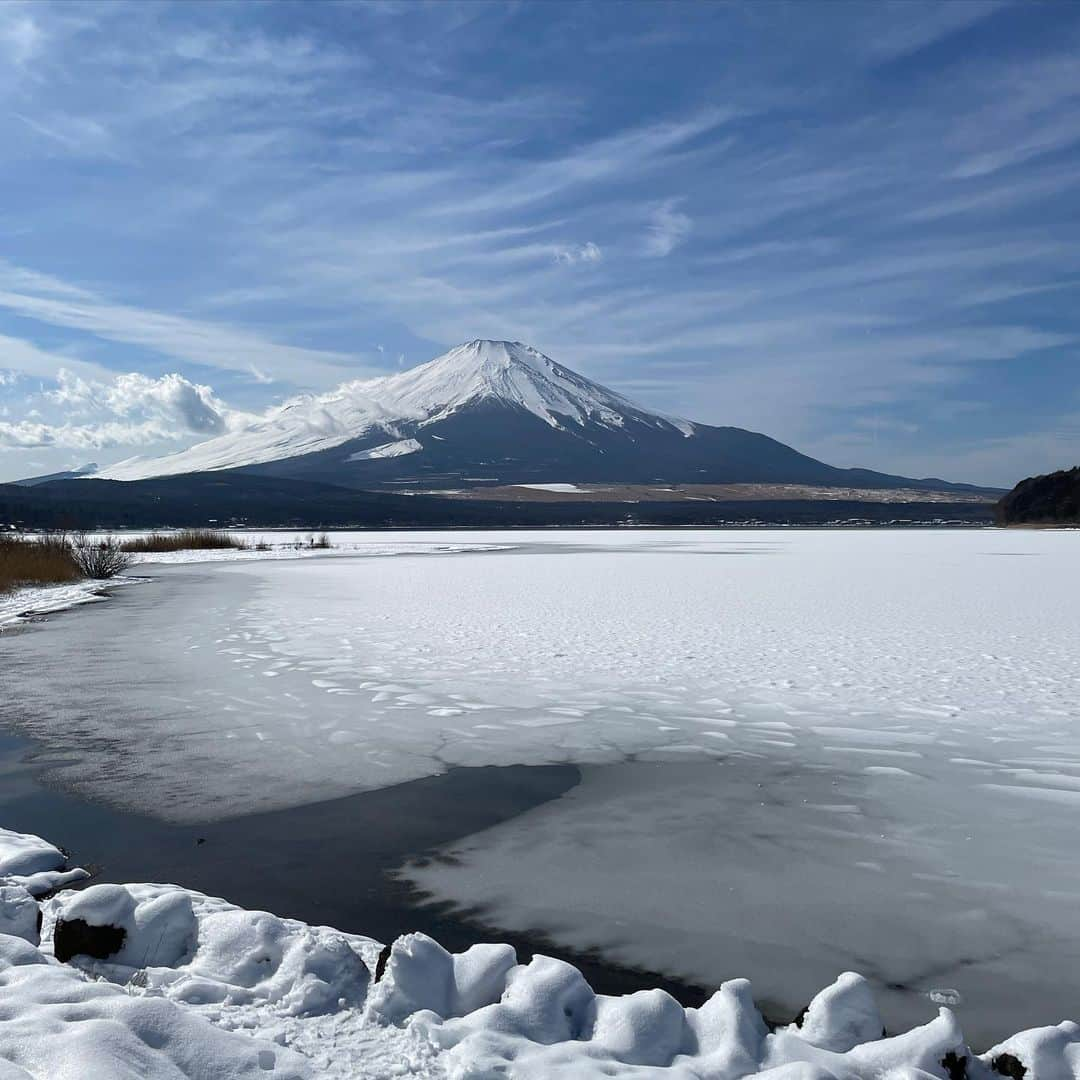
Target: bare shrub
<point>100,558</point>
<point>185,540</point>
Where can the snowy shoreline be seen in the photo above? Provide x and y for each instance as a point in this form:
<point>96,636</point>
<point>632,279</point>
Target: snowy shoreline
<point>32,601</point>
<point>1032,763</point>
<point>160,982</point>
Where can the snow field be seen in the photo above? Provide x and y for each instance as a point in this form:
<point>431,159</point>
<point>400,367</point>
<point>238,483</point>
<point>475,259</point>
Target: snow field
<point>883,722</point>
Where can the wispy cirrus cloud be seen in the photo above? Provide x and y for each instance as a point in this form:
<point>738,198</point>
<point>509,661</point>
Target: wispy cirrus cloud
<point>668,228</point>
<point>581,253</point>
<point>801,218</point>
<point>20,35</point>
<point>44,299</point>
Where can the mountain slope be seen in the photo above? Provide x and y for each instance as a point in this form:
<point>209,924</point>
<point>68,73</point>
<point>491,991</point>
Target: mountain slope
<point>493,412</point>
<point>90,469</point>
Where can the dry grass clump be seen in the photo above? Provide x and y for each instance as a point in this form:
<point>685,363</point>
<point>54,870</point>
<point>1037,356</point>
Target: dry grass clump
<point>185,540</point>
<point>54,560</point>
<point>312,543</point>
<point>46,560</point>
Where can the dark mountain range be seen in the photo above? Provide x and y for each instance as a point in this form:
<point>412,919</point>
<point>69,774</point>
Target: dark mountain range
<point>238,497</point>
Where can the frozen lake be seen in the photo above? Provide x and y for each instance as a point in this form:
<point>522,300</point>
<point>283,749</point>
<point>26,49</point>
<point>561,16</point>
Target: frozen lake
<point>803,751</point>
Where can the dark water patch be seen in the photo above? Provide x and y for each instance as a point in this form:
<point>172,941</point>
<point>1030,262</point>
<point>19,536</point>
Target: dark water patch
<point>327,863</point>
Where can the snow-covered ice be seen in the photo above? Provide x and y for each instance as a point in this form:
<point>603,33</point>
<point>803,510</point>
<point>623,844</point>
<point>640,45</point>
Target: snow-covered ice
<point>859,649</point>
<point>884,722</point>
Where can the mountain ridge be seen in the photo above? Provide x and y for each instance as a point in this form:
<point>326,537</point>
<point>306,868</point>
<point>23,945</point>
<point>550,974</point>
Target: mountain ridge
<point>497,412</point>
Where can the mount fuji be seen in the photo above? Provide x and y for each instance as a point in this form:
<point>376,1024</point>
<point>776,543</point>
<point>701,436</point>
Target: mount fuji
<point>494,412</point>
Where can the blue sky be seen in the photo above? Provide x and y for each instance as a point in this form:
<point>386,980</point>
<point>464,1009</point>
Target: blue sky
<point>851,226</point>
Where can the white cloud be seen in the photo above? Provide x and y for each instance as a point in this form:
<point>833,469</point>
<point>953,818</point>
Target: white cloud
<point>129,410</point>
<point>668,229</point>
<point>587,253</point>
<point>20,35</point>
<point>28,435</point>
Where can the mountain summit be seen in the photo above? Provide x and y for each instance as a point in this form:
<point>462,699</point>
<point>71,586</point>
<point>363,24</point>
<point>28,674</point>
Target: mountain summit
<point>513,374</point>
<point>493,412</point>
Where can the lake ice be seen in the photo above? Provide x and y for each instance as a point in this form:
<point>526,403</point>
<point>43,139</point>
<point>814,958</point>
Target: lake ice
<point>807,750</point>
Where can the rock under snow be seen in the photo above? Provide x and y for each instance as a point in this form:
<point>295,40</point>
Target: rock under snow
<point>197,949</point>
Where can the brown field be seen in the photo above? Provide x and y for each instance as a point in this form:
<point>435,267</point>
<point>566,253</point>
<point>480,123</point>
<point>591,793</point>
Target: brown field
<point>48,560</point>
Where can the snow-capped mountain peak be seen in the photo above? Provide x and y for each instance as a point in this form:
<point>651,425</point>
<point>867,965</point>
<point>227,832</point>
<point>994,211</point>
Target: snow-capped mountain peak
<point>507,373</point>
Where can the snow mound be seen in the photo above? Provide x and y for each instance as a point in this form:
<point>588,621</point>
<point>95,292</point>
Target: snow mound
<point>549,1023</point>
<point>200,950</point>
<point>505,371</point>
<point>546,1023</point>
<point>1046,1053</point>
<point>58,1024</point>
<point>841,1016</point>
<point>19,913</point>
<point>34,864</point>
<point>422,975</point>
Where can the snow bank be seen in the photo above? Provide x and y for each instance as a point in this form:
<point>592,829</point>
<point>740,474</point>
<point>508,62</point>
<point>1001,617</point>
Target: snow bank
<point>20,915</point>
<point>266,544</point>
<point>421,975</point>
<point>198,988</point>
<point>58,1024</point>
<point>34,864</point>
<point>196,949</point>
<point>25,603</point>
<point>547,1023</point>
